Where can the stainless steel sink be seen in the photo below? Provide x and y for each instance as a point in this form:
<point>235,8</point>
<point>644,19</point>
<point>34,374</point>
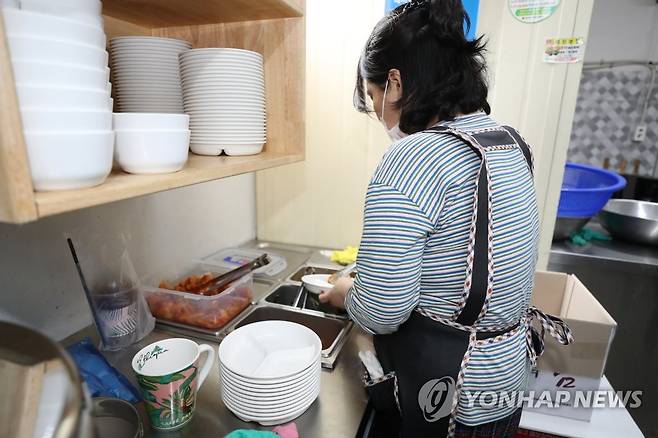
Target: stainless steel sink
<point>286,294</point>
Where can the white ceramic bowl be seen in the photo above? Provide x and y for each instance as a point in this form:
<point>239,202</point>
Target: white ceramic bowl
<point>62,75</point>
<point>63,161</point>
<point>57,120</point>
<point>142,40</point>
<point>270,349</point>
<point>61,98</point>
<point>87,11</point>
<point>242,150</point>
<point>152,151</point>
<point>155,121</point>
<point>218,52</point>
<point>317,283</point>
<point>34,24</point>
<point>148,108</point>
<point>60,52</point>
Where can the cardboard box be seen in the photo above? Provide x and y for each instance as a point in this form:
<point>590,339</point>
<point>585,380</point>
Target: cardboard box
<point>540,381</point>
<point>593,328</point>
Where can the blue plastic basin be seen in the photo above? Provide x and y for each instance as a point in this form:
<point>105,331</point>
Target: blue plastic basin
<point>586,189</point>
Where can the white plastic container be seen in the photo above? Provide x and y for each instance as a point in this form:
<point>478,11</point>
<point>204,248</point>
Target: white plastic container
<point>63,161</point>
<point>61,52</point>
<point>60,75</point>
<point>151,121</point>
<point>86,11</point>
<point>152,151</point>
<point>60,98</point>
<point>35,24</point>
<point>59,121</point>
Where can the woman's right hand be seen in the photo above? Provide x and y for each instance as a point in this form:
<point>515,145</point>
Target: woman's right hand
<point>336,295</point>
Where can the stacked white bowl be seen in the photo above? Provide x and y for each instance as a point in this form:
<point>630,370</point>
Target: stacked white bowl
<point>151,143</point>
<point>224,94</point>
<point>270,371</point>
<point>146,74</point>
<point>62,81</point>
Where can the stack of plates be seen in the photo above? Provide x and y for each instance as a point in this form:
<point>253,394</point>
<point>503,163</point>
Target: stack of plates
<point>145,74</point>
<point>62,81</point>
<point>270,371</point>
<point>224,94</point>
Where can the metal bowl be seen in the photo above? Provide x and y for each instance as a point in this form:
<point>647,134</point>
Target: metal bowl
<point>627,219</point>
<point>566,226</point>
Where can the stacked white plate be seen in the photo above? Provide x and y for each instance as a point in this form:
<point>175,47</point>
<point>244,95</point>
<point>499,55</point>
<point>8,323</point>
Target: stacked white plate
<point>224,94</point>
<point>146,75</point>
<point>270,371</point>
<point>62,81</point>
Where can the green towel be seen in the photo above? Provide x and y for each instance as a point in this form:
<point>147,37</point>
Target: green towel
<point>585,235</point>
<point>251,434</point>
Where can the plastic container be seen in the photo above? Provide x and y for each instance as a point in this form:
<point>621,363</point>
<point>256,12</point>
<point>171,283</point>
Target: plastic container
<point>586,189</point>
<point>208,312</point>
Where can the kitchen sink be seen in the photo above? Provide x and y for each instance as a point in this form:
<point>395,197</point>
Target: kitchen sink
<point>308,270</point>
<point>332,331</point>
<point>286,295</point>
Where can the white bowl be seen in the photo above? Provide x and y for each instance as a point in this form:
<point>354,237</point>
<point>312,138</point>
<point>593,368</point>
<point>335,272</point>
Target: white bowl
<point>140,40</point>
<point>59,52</point>
<point>62,75</point>
<point>242,150</point>
<point>317,283</point>
<point>146,121</point>
<point>63,161</point>
<point>87,11</point>
<point>57,120</point>
<point>152,151</point>
<point>61,98</point>
<point>214,148</point>
<point>35,24</point>
<point>270,349</point>
<point>222,52</point>
<point>272,387</point>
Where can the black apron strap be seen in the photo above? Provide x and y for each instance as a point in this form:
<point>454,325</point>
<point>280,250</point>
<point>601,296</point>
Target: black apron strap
<point>479,282</point>
<point>525,149</point>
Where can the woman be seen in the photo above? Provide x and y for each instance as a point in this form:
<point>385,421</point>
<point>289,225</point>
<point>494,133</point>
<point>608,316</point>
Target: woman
<point>449,246</point>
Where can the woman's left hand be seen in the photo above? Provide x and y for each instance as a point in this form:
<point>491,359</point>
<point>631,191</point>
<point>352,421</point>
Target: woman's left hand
<point>336,296</point>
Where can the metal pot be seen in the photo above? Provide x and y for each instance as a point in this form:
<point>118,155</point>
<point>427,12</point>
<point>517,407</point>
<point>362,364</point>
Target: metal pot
<point>628,219</point>
<point>46,397</point>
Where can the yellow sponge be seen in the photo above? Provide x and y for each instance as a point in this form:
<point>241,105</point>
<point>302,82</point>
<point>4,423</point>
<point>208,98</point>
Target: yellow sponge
<point>346,256</point>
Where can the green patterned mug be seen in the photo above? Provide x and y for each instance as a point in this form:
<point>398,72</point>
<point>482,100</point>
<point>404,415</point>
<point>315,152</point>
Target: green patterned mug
<point>169,377</point>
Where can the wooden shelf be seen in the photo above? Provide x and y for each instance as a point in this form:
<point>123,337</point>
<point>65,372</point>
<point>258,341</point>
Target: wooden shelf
<point>274,28</point>
<point>121,185</point>
<point>168,13</point>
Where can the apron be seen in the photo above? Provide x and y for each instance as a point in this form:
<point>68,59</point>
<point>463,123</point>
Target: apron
<point>421,387</point>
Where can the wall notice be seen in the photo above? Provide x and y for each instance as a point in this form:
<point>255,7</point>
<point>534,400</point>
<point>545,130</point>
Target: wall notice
<point>533,11</point>
<point>563,50</point>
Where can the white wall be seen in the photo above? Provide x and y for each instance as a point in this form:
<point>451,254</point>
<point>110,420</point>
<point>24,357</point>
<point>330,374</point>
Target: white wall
<point>39,283</point>
<point>623,30</point>
<point>324,196</point>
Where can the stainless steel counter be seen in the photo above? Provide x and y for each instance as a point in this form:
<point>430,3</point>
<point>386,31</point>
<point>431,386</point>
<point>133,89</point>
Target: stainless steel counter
<point>336,413</point>
<point>630,257</point>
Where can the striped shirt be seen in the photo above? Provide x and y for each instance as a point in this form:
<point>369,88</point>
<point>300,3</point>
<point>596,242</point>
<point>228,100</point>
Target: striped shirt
<point>413,250</point>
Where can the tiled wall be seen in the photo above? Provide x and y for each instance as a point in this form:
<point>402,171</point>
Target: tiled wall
<point>609,107</point>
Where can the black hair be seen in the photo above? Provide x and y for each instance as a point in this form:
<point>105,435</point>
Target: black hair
<point>443,73</point>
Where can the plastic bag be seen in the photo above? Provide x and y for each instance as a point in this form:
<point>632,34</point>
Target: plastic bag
<point>112,288</point>
<point>102,379</point>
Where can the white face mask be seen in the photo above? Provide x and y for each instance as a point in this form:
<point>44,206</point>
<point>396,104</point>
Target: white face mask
<point>394,133</point>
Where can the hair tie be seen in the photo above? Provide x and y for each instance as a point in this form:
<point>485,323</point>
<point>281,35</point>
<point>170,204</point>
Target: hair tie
<point>414,4</point>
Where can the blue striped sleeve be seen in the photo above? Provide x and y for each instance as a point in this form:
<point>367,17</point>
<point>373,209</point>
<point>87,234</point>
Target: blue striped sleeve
<point>387,285</point>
